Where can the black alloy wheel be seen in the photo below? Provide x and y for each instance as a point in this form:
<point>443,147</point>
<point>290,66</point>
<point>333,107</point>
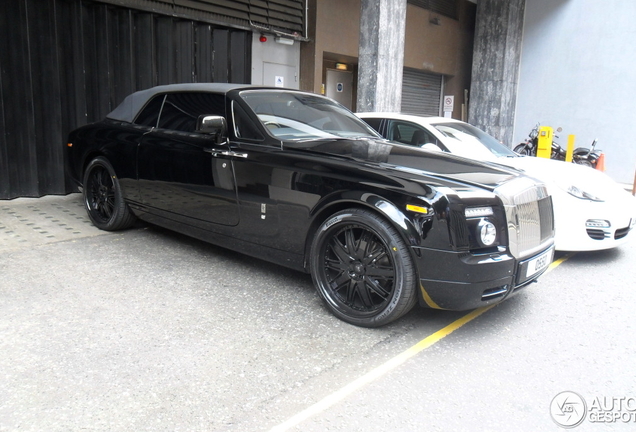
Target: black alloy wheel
<point>363,269</point>
<point>103,199</point>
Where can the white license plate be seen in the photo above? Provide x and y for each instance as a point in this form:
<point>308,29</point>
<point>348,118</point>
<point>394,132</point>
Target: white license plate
<point>539,263</point>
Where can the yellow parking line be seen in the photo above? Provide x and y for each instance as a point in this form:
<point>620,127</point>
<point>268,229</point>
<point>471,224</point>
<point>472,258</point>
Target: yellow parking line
<point>560,261</point>
<point>393,363</point>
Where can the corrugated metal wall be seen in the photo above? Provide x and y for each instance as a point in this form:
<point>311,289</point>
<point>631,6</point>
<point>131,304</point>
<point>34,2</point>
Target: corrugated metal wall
<point>65,63</point>
<point>277,16</point>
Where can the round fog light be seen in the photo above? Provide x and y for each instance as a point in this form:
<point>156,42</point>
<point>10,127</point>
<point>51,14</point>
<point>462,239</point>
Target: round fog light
<point>487,233</point>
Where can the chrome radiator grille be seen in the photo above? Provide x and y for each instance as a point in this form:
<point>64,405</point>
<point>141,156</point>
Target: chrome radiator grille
<point>529,213</point>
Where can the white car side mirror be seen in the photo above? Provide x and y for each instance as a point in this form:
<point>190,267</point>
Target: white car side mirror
<point>431,147</point>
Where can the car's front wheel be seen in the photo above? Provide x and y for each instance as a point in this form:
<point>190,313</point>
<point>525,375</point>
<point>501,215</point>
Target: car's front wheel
<point>103,199</point>
<point>363,269</point>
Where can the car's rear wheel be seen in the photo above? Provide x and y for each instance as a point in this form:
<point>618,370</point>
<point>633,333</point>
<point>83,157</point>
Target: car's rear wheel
<point>363,269</point>
<point>103,199</point>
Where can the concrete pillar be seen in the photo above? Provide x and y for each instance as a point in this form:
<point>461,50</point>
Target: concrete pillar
<point>381,55</point>
<point>496,57</point>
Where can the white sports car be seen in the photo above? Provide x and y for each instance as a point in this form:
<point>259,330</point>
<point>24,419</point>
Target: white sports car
<point>591,211</point>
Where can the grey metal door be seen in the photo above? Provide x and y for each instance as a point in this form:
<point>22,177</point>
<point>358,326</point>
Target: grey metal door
<point>340,86</point>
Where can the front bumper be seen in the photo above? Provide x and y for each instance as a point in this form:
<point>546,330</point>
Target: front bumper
<point>571,217</point>
<point>574,234</point>
<point>461,281</point>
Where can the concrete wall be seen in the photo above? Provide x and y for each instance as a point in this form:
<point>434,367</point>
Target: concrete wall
<point>270,59</point>
<point>445,48</point>
<point>577,71</point>
<point>497,54</point>
<point>381,55</point>
<point>337,28</point>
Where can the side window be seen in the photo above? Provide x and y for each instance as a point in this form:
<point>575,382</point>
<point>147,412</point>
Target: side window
<point>408,133</point>
<point>374,123</point>
<point>181,110</point>
<point>150,114</point>
<point>243,126</point>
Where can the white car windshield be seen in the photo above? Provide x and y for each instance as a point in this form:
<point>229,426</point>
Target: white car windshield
<point>289,115</point>
<point>468,141</point>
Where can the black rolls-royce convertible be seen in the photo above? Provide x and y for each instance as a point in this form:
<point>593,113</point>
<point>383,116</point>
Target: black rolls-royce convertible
<point>296,179</point>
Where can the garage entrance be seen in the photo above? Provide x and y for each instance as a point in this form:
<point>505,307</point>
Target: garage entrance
<point>421,92</point>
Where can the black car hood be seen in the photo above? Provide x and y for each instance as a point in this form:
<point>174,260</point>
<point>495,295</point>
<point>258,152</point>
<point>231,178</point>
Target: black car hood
<point>412,161</point>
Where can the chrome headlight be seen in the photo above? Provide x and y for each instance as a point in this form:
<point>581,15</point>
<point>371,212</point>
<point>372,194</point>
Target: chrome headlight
<point>487,232</point>
<point>481,226</point>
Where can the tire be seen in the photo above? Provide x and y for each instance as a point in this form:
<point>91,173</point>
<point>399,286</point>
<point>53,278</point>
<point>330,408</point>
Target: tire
<point>363,269</point>
<point>583,161</point>
<point>104,202</point>
<point>522,149</point>
<point>580,157</point>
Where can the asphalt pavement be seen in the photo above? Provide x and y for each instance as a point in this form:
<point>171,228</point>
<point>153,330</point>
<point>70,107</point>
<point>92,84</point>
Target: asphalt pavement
<point>149,330</point>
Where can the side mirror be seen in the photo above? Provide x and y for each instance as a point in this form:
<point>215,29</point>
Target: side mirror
<point>431,147</point>
<point>213,125</point>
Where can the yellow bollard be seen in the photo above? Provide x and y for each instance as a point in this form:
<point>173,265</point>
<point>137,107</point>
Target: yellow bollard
<point>570,150</point>
<point>544,146</point>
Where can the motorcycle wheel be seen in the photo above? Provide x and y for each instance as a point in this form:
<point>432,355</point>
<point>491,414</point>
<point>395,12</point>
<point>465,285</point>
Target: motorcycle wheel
<point>557,156</point>
<point>523,149</point>
<point>582,156</point>
<point>583,162</point>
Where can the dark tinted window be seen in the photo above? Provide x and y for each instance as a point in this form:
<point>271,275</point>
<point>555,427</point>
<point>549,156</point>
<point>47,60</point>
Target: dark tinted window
<point>181,110</point>
<point>150,114</point>
<point>374,123</point>
<point>409,133</point>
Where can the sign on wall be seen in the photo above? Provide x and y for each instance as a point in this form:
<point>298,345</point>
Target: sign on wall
<point>449,103</point>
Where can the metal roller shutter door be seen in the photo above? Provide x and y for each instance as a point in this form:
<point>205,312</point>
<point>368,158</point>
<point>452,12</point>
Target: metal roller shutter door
<point>421,92</point>
<point>67,63</point>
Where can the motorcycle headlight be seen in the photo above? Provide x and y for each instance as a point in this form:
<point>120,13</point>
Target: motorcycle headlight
<point>581,194</point>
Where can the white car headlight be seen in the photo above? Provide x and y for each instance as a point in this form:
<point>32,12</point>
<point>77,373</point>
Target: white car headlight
<point>581,194</point>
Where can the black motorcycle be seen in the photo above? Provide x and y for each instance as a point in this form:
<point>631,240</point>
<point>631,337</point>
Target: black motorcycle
<point>582,156</point>
<point>529,146</point>
<point>585,156</point>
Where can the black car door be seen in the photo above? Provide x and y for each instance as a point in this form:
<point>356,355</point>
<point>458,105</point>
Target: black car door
<point>179,178</point>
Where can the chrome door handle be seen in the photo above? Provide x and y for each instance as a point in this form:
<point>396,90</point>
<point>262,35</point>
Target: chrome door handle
<point>217,153</point>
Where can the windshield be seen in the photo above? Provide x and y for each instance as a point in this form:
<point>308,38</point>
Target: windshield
<point>468,141</point>
<point>289,115</point>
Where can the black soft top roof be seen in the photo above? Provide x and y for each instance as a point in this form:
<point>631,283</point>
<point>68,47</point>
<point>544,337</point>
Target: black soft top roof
<point>128,109</point>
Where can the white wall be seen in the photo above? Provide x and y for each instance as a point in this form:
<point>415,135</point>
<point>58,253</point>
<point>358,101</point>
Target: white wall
<point>578,71</point>
<point>271,59</point>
